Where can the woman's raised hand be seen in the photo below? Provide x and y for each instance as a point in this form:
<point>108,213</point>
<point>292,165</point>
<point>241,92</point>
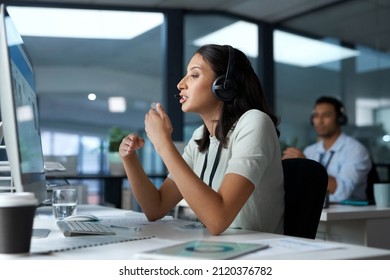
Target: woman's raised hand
<point>130,144</point>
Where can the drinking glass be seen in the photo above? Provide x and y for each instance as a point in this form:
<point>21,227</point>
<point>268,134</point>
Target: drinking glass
<point>64,202</point>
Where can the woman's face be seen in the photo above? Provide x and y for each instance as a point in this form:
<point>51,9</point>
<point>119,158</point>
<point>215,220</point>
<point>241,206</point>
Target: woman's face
<point>195,88</point>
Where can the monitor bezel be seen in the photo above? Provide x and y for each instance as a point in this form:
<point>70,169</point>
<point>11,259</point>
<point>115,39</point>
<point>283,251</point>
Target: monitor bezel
<point>27,182</point>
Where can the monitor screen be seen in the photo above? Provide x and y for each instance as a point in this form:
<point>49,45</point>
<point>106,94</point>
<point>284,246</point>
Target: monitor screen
<point>19,112</point>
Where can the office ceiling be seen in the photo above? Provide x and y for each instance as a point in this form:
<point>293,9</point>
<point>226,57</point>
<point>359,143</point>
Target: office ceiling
<point>355,21</point>
<point>70,67</point>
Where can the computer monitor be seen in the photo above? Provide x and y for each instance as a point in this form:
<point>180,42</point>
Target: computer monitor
<point>19,112</point>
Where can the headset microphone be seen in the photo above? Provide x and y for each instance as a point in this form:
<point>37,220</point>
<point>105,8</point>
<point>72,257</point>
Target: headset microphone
<point>177,96</point>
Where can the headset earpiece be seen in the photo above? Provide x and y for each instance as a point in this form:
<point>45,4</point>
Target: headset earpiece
<point>223,86</point>
<point>223,90</point>
<point>342,118</point>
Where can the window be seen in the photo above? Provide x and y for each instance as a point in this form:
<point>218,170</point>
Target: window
<point>357,78</point>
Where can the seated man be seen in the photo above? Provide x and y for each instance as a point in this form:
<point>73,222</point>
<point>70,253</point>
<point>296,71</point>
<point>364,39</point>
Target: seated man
<point>346,160</point>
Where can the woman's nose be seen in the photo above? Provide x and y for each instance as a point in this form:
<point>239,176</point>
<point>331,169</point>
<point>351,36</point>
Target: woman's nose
<point>181,85</point>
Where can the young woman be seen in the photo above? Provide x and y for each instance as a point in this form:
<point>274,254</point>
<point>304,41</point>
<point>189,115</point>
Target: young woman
<point>230,173</point>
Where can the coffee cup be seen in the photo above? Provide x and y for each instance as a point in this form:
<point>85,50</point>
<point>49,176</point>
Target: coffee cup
<point>382,194</point>
<point>17,211</point>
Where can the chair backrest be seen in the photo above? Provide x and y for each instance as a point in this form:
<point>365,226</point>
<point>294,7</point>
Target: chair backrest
<point>305,185</point>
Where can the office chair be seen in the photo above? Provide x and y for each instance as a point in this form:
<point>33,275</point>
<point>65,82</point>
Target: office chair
<point>305,185</point>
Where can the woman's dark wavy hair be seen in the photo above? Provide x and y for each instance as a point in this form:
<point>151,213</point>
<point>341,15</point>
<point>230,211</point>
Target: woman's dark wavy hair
<point>249,92</point>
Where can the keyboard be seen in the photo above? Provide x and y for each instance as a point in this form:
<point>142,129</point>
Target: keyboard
<point>77,228</point>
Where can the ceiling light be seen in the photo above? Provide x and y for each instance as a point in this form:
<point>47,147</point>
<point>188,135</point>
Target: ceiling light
<point>92,96</point>
<point>288,48</point>
<point>117,104</point>
<point>81,23</point>
<point>241,35</point>
<point>305,52</point>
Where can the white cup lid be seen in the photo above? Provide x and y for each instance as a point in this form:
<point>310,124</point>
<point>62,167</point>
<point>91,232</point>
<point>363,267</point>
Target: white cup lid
<point>17,199</point>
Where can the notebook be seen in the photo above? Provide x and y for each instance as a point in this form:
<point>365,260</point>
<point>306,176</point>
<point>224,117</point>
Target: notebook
<point>52,245</point>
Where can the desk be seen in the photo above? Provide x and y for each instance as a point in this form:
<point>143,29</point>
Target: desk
<point>172,232</point>
<point>361,225</point>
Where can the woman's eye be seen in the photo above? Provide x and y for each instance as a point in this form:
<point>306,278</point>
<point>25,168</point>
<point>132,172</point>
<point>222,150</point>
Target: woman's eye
<point>194,76</point>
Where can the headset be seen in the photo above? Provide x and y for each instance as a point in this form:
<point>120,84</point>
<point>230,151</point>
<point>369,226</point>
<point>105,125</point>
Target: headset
<point>224,87</point>
<point>342,118</point>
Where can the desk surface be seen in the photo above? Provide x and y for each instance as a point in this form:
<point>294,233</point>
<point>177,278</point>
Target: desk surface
<point>347,212</point>
<point>171,232</point>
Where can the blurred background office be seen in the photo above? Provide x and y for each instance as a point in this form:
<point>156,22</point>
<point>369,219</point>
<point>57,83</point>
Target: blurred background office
<point>100,64</point>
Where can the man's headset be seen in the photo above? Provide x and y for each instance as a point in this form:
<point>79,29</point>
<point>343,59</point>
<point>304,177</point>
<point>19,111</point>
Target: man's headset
<point>224,87</point>
<point>342,118</point>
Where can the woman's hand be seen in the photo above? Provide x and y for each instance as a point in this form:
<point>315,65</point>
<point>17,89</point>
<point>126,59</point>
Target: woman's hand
<point>130,144</point>
<point>158,127</point>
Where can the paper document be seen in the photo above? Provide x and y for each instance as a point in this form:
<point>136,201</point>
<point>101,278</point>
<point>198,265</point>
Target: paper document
<point>286,245</point>
<point>130,220</point>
